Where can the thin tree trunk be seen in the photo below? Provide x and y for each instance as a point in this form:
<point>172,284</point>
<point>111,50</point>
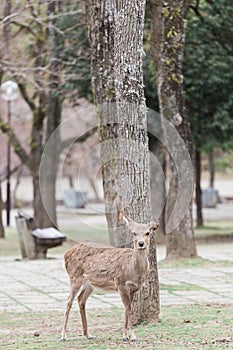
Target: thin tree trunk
<point>36,154</point>
<point>167,48</point>
<point>211,168</point>
<point>116,34</point>
<point>18,177</point>
<point>2,231</point>
<point>45,202</point>
<point>48,172</point>
<point>37,201</point>
<point>53,118</point>
<point>6,30</point>
<point>198,189</point>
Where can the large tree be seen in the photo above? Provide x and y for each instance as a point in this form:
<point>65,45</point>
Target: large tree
<point>167,44</point>
<point>116,37</point>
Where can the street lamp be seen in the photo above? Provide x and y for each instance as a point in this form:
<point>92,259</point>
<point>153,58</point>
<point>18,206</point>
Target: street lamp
<point>9,92</point>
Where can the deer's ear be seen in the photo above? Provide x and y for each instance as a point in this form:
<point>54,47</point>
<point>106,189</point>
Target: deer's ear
<point>154,225</point>
<point>126,221</point>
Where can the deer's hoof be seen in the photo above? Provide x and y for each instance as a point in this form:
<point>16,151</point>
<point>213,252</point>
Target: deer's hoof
<point>89,337</point>
<point>63,339</point>
<point>125,339</point>
<point>135,340</point>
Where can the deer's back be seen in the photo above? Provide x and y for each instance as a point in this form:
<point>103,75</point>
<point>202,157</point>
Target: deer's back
<point>103,266</point>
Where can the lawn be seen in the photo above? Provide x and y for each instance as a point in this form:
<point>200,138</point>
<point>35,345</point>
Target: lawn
<point>10,245</point>
<point>180,327</point>
<point>221,230</point>
<point>215,231</point>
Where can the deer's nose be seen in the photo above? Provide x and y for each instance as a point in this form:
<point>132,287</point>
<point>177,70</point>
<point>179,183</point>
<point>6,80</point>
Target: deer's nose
<point>141,244</point>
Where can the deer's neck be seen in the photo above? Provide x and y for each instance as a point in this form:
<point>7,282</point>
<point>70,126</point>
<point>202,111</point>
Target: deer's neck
<point>141,259</point>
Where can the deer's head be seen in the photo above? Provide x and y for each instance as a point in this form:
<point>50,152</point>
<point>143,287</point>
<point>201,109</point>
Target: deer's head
<point>141,232</point>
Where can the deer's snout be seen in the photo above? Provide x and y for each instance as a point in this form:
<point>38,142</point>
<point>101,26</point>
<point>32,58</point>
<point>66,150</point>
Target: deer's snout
<point>141,244</point>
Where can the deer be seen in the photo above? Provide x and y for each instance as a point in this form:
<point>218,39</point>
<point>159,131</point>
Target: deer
<point>113,269</point>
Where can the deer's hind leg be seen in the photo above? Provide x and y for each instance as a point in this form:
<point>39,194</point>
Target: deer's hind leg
<point>86,291</point>
<point>74,288</point>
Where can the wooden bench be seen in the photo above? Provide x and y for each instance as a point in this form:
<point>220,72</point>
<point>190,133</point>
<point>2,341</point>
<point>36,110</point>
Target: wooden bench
<point>34,241</point>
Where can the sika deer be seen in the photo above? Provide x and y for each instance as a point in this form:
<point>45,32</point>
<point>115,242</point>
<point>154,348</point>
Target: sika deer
<point>113,269</point>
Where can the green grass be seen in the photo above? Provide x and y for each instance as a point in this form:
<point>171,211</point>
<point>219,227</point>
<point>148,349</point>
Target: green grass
<point>215,230</point>
<point>10,245</point>
<point>179,287</point>
<point>195,263</point>
<point>88,233</point>
<point>180,327</point>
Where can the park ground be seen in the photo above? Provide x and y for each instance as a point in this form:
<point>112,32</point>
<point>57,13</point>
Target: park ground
<point>196,295</point>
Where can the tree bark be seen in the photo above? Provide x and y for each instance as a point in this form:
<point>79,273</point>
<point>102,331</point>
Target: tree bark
<point>49,172</point>
<point>2,231</point>
<point>35,158</point>
<point>167,48</point>
<point>6,29</point>
<point>158,189</point>
<point>198,189</point>
<point>116,34</point>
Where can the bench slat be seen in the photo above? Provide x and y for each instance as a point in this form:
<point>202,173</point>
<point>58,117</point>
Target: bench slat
<point>47,233</point>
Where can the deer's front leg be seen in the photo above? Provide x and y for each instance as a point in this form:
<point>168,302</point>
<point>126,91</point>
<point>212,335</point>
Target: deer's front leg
<point>126,298</point>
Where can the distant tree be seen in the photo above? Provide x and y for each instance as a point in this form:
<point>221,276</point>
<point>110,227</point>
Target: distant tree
<point>208,77</point>
<point>47,31</point>
<point>38,30</point>
<point>4,52</point>
<point>74,53</point>
<point>167,44</point>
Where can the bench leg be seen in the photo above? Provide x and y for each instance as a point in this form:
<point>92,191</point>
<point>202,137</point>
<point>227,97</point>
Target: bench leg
<point>41,252</point>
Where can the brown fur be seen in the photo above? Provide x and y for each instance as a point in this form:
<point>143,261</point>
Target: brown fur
<point>120,269</point>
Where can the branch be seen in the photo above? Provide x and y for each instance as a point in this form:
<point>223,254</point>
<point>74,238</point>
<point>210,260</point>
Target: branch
<point>80,139</point>
<point>27,99</point>
<point>14,141</point>
<point>197,12</point>
<point>23,26</point>
<point>3,175</point>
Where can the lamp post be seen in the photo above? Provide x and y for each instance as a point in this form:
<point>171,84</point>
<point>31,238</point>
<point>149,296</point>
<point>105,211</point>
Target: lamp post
<point>9,92</point>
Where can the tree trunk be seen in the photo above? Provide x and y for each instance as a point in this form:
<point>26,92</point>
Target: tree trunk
<point>18,177</point>
<point>167,48</point>
<point>48,171</point>
<point>2,231</point>
<point>50,162</point>
<point>198,189</point>
<point>38,207</point>
<point>6,30</point>
<point>158,190</point>
<point>211,168</point>
<point>116,34</point>
<point>36,154</point>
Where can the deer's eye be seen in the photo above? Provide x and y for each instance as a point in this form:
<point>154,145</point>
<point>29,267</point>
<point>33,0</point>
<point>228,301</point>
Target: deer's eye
<point>147,233</point>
